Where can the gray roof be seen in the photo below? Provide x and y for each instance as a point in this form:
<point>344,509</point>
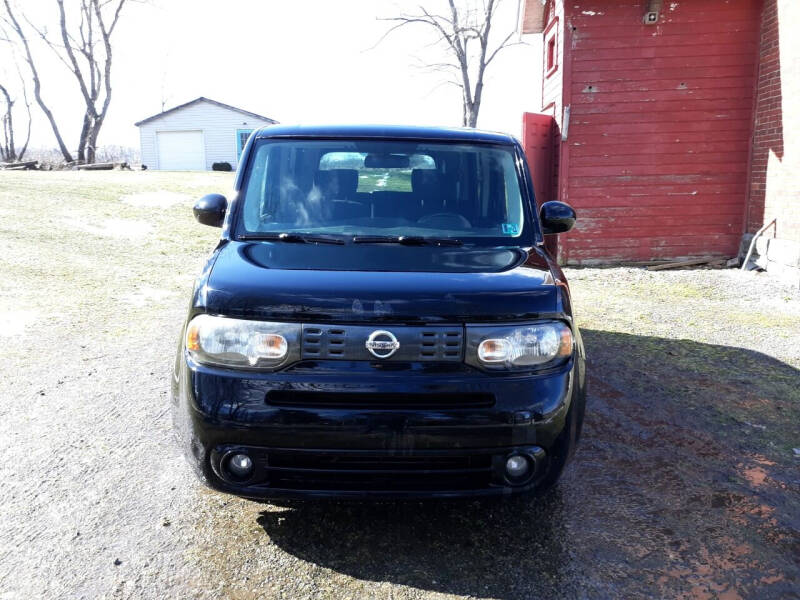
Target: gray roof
<point>202,99</point>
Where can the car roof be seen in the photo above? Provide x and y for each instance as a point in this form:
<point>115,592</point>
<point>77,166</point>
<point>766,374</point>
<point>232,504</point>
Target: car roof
<point>462,134</point>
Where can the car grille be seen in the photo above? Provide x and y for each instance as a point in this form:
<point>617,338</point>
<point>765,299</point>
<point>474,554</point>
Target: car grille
<point>317,399</point>
<point>439,343</point>
<point>365,471</point>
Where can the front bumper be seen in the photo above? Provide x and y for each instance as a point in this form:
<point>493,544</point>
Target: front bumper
<point>334,428</point>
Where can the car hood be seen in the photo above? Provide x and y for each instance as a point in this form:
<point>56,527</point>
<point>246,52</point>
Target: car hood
<point>377,283</point>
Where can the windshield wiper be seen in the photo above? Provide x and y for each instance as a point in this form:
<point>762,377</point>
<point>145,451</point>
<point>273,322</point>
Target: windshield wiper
<point>296,238</point>
<point>406,240</point>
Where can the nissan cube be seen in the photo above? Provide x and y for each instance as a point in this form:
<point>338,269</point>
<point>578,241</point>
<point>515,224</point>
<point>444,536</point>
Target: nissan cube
<point>380,318</point>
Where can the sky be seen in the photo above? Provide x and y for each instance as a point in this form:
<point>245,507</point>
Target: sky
<point>296,61</point>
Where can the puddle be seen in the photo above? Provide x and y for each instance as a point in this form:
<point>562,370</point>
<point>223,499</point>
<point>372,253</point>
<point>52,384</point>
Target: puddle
<point>159,199</point>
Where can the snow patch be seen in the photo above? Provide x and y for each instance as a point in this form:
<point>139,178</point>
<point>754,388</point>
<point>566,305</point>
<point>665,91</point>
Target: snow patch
<point>146,296</point>
<point>14,322</point>
<point>159,199</point>
<point>115,228</point>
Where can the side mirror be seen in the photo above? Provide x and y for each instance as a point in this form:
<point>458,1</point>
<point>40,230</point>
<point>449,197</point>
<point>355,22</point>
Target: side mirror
<point>557,217</point>
<point>210,210</point>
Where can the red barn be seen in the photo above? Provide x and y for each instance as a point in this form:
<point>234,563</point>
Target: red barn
<point>666,125</point>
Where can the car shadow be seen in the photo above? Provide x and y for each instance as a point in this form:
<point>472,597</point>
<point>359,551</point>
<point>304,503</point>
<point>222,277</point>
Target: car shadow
<point>456,547</point>
<point>684,481</point>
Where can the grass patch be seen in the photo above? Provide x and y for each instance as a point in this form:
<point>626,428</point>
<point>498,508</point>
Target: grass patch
<point>74,252</point>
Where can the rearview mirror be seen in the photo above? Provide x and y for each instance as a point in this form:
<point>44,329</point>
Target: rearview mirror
<point>557,217</point>
<point>387,161</point>
<point>210,210</point>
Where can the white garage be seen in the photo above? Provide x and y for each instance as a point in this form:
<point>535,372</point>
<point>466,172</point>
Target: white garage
<point>195,135</point>
<point>181,150</point>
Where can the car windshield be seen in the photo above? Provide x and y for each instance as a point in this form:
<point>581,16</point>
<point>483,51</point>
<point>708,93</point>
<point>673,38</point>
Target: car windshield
<point>382,188</point>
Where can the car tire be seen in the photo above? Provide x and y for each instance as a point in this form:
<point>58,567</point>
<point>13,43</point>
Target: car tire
<point>562,451</point>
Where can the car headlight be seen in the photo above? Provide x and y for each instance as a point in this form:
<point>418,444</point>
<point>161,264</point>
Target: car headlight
<point>519,347</point>
<point>241,343</point>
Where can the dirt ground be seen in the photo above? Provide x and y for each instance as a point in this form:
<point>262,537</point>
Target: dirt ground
<point>685,485</point>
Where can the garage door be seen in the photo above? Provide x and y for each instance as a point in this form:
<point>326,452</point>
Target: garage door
<point>181,151</point>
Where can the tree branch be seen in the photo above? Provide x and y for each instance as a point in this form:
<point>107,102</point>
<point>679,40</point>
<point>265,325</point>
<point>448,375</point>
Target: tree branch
<point>466,33</point>
<point>75,68</point>
<point>37,86</point>
<point>504,44</point>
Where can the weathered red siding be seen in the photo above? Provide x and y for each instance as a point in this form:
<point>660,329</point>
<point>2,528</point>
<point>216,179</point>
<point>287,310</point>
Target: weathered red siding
<point>537,140</point>
<point>656,158</point>
<point>553,83</point>
<point>774,192</point>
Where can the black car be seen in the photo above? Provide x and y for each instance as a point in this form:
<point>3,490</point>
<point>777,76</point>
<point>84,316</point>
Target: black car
<point>380,318</point>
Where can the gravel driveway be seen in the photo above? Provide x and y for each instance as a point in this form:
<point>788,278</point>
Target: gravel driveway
<point>685,484</point>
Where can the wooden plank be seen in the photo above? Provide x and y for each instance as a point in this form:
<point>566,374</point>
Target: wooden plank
<point>95,167</point>
<point>613,139</point>
<point>585,33</point>
<point>582,95</point>
<point>591,220</point>
<point>732,209</point>
<point>647,64</point>
<point>656,170</point>
<point>663,52</point>
<point>647,106</point>
<point>698,231</point>
<point>676,74</point>
<point>646,85</point>
<point>666,115</point>
<point>656,246</point>
<point>599,13</point>
<point>19,165</point>
<point>650,252</point>
<point>674,190</point>
<point>606,130</point>
<point>660,41</point>
<point>614,148</point>
<point>682,263</point>
<point>654,158</point>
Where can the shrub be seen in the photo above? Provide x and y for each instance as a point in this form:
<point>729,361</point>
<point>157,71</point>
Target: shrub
<point>221,166</point>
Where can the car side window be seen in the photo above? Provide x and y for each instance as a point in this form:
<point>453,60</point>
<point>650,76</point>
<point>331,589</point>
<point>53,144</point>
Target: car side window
<point>255,195</point>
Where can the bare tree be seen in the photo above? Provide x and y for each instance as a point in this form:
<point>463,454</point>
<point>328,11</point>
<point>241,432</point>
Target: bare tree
<point>11,20</point>
<point>465,35</point>
<point>84,47</point>
<point>8,146</point>
<point>87,53</point>
<point>8,151</point>
<point>9,99</point>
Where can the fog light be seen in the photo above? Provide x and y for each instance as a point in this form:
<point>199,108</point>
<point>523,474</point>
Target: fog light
<point>240,466</point>
<point>517,467</point>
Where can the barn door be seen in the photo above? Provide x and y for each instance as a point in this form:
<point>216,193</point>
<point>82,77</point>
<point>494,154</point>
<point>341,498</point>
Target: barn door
<point>537,141</point>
